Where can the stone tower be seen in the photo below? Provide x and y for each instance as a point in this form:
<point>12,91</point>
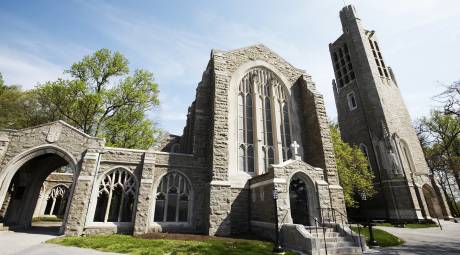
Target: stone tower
<point>373,116</point>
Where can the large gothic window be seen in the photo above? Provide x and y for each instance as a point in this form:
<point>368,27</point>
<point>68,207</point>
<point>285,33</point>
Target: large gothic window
<point>116,196</point>
<point>173,199</point>
<point>263,107</point>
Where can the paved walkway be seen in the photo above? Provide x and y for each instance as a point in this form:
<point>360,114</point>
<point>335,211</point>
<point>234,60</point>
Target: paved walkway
<point>426,241</point>
<point>32,243</point>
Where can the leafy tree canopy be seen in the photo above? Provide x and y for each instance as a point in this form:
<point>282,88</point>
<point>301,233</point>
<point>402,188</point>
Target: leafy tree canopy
<point>101,98</point>
<point>439,135</point>
<point>355,176</point>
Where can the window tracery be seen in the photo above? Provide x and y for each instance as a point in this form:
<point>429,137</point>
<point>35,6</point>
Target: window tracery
<point>261,98</point>
<point>116,196</point>
<point>56,201</point>
<point>173,199</point>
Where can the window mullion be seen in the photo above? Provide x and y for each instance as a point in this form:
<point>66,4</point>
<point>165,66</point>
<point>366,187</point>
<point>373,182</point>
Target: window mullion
<point>276,132</point>
<point>165,207</point>
<point>109,201</point>
<point>120,209</point>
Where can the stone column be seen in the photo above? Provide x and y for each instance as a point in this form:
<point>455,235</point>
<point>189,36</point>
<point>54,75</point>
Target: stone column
<point>338,201</point>
<point>283,203</point>
<point>75,221</point>
<point>41,198</point>
<point>220,207</point>
<point>324,200</point>
<point>145,196</point>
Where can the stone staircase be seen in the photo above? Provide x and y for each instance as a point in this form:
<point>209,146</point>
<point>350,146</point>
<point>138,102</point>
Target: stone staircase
<point>334,241</point>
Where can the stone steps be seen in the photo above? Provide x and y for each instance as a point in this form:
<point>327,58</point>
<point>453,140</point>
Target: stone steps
<point>313,229</point>
<point>334,239</point>
<point>336,243</point>
<point>327,235</point>
<point>341,250</point>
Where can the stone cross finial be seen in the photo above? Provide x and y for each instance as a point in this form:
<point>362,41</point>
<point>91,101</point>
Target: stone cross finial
<point>295,150</point>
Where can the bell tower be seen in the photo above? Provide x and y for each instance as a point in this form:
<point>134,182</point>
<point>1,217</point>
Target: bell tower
<point>373,116</point>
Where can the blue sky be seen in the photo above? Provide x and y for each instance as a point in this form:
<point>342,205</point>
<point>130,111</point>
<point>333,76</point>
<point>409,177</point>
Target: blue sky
<point>173,39</point>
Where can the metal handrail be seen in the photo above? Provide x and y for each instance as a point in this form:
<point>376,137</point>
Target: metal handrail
<point>344,222</point>
<point>316,229</point>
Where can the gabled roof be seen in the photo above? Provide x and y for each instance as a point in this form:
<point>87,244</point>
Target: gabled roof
<point>60,122</point>
<point>258,47</point>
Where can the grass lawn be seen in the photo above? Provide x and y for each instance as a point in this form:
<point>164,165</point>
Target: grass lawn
<point>411,225</point>
<point>383,238</point>
<point>421,225</point>
<point>160,244</point>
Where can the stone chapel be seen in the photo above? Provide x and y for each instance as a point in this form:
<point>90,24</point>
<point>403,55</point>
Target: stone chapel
<point>257,124</point>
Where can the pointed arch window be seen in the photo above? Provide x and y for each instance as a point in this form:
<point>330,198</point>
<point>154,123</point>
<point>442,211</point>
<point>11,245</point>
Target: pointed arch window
<point>173,199</point>
<point>263,114</point>
<point>363,148</point>
<point>267,122</point>
<point>245,126</point>
<point>116,196</point>
<point>285,124</point>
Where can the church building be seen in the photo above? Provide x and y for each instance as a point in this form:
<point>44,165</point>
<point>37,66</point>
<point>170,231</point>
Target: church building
<point>257,125</point>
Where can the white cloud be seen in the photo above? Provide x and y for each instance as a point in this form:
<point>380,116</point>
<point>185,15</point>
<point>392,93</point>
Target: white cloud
<point>417,36</point>
<point>26,70</point>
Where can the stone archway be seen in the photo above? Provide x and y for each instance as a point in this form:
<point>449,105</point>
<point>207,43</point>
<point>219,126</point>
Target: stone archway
<point>432,202</point>
<point>22,179</point>
<point>303,199</point>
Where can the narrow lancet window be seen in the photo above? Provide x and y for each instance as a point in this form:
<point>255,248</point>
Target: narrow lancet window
<point>245,127</point>
<point>285,132</point>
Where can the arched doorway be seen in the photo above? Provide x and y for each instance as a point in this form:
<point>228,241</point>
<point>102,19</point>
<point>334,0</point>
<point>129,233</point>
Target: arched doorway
<point>432,202</point>
<point>303,200</point>
<point>21,182</point>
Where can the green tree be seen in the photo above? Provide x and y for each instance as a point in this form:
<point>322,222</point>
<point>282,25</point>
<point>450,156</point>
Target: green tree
<point>130,129</point>
<point>101,89</point>
<point>101,98</point>
<point>2,84</point>
<point>12,104</point>
<point>442,133</point>
<point>439,135</point>
<point>355,176</point>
